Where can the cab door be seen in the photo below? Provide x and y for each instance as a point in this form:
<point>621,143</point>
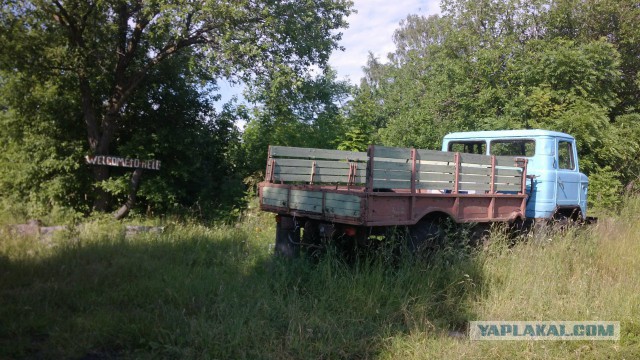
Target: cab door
<point>567,178</point>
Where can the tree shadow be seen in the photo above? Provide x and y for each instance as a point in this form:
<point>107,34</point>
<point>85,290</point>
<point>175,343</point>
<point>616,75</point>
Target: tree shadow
<point>202,294</point>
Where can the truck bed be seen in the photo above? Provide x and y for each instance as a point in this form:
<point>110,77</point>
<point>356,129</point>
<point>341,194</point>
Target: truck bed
<point>392,186</point>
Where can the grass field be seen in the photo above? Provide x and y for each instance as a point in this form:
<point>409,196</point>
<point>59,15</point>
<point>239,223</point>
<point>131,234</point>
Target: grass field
<point>217,292</point>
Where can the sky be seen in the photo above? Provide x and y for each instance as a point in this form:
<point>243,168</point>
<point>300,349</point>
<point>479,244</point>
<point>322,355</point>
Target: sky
<point>370,30</point>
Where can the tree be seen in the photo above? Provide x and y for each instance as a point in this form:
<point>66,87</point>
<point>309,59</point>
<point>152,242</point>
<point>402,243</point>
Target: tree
<point>105,49</point>
<point>563,65</point>
<point>294,112</point>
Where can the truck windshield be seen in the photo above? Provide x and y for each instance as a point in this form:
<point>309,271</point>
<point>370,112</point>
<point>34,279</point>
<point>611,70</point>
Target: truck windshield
<point>468,147</point>
<point>513,147</point>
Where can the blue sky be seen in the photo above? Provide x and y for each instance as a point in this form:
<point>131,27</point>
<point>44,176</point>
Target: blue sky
<point>370,29</point>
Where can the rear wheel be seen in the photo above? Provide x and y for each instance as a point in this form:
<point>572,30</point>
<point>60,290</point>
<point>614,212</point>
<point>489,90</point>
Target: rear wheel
<point>311,239</point>
<point>287,237</point>
<point>425,236</point>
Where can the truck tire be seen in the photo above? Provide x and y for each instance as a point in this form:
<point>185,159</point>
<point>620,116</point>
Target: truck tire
<point>287,237</point>
<point>311,240</point>
<point>425,236</point>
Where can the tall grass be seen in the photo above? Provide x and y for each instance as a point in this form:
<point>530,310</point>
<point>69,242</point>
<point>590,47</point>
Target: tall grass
<point>217,292</point>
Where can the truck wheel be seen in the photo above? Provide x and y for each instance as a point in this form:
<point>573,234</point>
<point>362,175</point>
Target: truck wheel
<point>287,237</point>
<point>567,219</point>
<point>426,235</point>
<point>311,240</point>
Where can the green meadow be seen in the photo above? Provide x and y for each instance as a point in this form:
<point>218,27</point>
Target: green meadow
<point>217,292</point>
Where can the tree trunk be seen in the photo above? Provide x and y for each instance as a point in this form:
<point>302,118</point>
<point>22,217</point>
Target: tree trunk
<point>131,200</point>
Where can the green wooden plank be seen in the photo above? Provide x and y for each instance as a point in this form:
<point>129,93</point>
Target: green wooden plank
<point>473,186</point>
<point>430,185</point>
<point>292,170</point>
<point>273,202</point>
<point>435,168</point>
<point>275,193</point>
<point>390,184</point>
<point>517,172</point>
<point>309,153</point>
<point>342,212</point>
<point>304,193</point>
<point>391,152</point>
<point>305,199</point>
<point>319,171</point>
<point>475,159</point>
<point>484,179</point>
<point>347,205</point>
<point>391,175</point>
<point>505,161</point>
<point>305,207</point>
<point>325,171</point>
<point>475,170</point>
<point>319,163</point>
<point>434,177</point>
<point>434,155</point>
<point>391,165</point>
<point>508,187</point>
<point>316,179</point>
<point>342,197</point>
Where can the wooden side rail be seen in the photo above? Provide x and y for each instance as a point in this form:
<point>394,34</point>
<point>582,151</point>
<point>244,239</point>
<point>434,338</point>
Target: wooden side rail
<point>316,166</point>
<point>415,170</point>
<point>396,168</point>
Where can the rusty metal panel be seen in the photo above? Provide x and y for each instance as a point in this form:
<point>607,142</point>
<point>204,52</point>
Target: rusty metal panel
<point>388,209</point>
<point>474,208</point>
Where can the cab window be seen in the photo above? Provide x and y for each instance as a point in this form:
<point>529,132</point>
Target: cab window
<point>513,147</point>
<point>565,155</point>
<point>468,147</point>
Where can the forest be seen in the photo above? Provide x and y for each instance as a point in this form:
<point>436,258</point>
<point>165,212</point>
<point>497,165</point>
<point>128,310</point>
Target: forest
<point>138,79</point>
<point>84,83</point>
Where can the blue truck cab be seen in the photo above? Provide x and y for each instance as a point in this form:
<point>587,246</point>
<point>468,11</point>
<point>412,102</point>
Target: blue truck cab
<point>556,188</point>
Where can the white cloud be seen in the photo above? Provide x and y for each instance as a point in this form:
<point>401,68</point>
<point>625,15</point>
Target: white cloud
<point>371,29</point>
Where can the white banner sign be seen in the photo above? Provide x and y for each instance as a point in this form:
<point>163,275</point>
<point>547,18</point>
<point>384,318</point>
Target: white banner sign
<point>123,162</point>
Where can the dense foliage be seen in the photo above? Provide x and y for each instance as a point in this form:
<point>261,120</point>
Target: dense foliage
<point>563,65</point>
<point>134,78</point>
<point>139,79</point>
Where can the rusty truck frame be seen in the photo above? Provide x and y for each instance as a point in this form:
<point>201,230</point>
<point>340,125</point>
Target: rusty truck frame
<point>333,193</point>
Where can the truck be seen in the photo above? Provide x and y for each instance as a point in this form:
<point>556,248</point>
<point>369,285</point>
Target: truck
<point>515,177</point>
